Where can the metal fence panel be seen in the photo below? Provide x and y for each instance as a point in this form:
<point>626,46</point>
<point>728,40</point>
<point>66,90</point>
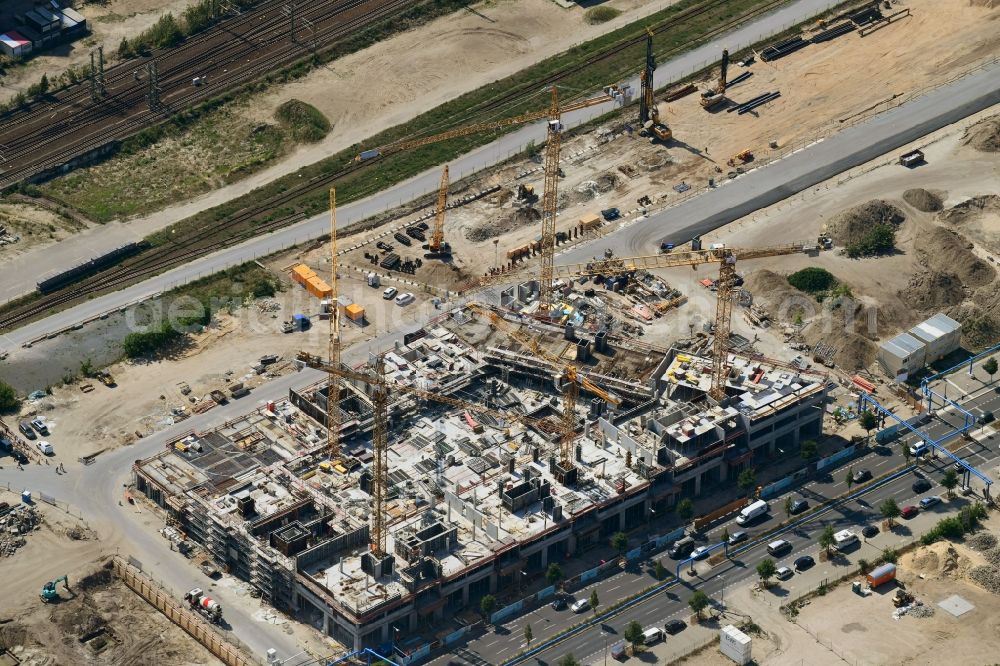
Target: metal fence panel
<point>588,575</point>
<point>547,592</point>
<point>840,456</point>
<point>634,554</point>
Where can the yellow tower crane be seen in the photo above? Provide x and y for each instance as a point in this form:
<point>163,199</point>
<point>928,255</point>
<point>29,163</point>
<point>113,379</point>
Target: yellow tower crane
<point>437,248</point>
<point>333,383</point>
<point>572,382</point>
<point>719,254</point>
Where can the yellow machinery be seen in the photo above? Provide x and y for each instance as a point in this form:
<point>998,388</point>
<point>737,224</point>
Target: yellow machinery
<point>437,247</point>
<point>724,256</point>
<point>572,382</point>
<point>741,157</point>
<point>649,114</point>
<point>714,96</point>
<point>333,387</point>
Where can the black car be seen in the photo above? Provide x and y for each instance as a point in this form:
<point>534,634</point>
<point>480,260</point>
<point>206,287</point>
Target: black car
<point>798,506</point>
<point>558,604</point>
<point>862,475</point>
<point>674,626</point>
<point>26,429</point>
<point>921,486</point>
<point>869,531</point>
<point>804,562</point>
<point>610,214</point>
<point>19,457</point>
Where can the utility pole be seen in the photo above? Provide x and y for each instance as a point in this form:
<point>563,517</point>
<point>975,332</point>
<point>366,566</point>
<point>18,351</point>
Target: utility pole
<point>153,89</point>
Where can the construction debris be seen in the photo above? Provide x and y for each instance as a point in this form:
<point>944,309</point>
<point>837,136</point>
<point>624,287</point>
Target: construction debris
<point>17,522</point>
<point>988,577</point>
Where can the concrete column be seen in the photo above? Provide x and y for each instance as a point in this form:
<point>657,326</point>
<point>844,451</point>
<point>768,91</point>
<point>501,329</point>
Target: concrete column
<point>723,472</point>
<point>493,583</point>
<point>384,632</point>
<point>545,557</point>
<point>621,520</point>
<point>771,447</point>
<point>465,595</point>
<point>697,485</point>
<point>326,624</point>
<point>412,625</point>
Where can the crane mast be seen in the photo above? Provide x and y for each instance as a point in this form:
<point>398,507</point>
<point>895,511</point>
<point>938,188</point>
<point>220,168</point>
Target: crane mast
<point>646,101</point>
<point>550,198</point>
<point>380,450</point>
<point>437,240</point>
<point>333,381</point>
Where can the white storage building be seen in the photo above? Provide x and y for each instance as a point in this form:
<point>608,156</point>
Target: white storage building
<point>734,644</point>
<point>902,355</point>
<point>940,334</point>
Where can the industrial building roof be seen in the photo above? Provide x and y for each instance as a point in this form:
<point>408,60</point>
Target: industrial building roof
<point>935,328</point>
<point>903,345</point>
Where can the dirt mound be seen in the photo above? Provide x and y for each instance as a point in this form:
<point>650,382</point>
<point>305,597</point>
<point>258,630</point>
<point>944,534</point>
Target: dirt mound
<point>989,4</point>
<point>984,136</point>
<point>923,200</point>
<point>97,580</point>
<point>783,300</point>
<point>932,290</point>
<point>947,250</point>
<point>854,224</point>
<point>505,224</point>
<point>980,325</point>
<point>607,182</point>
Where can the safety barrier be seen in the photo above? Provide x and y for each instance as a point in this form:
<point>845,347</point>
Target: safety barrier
<point>455,636</point>
<point>589,575</point>
<point>837,457</point>
<point>196,627</point>
<point>507,611</point>
<point>634,554</point>
<point>772,489</point>
<point>546,592</point>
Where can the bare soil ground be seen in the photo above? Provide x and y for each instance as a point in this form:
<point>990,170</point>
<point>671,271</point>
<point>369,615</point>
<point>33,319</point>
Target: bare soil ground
<point>118,625</point>
<point>108,21</point>
<point>35,226</point>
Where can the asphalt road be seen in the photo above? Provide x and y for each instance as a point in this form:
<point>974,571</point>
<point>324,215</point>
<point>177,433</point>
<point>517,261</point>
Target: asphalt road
<point>759,188</point>
<point>507,641</point>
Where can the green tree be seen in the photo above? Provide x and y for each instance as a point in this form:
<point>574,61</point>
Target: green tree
<point>906,452</point>
<point>554,573</point>
<point>746,480</point>
<point>594,601</point>
<point>660,570</point>
<point>725,534</point>
<point>685,510</point>
<point>766,569</point>
<point>619,541</point>
<point>849,479</point>
<point>864,566</point>
<point>87,368</point>
<point>950,480</point>
<point>889,555</point>
<point>698,602</point>
<point>487,605</point>
<point>889,510</point>
<point>528,635</point>
<point>990,367</point>
<point>633,634</point>
<point>43,84</point>
<point>568,660</point>
<point>124,49</point>
<point>826,538</point>
<point>8,398</point>
<point>812,279</point>
<point>809,449</point>
<point>868,421</point>
<point>788,506</point>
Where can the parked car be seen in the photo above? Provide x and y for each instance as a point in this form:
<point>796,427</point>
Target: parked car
<point>798,506</point>
<point>919,450</point>
<point>389,293</point>
<point>779,547</point>
<point>45,448</point>
<point>38,423</point>
<point>580,605</point>
<point>921,486</point>
<point>19,457</point>
<point>610,214</point>
<point>869,531</point>
<point>700,553</point>
<point>404,299</point>
<point>804,562</point>
<point>862,475</point>
<point>738,537</point>
<point>674,627</point>
<point>26,429</point>
<point>928,502</point>
<point>909,512</point>
<point>558,604</point>
<point>783,573</point>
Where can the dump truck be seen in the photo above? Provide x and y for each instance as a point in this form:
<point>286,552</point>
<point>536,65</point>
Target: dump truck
<point>912,158</point>
<point>205,605</point>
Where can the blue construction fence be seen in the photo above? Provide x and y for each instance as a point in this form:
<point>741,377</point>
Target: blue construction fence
<point>774,488</point>
<point>507,611</point>
<point>838,457</point>
<point>455,636</point>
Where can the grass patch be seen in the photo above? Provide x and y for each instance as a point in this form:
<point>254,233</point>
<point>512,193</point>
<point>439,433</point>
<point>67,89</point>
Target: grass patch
<point>596,15</point>
<point>304,122</point>
<point>880,239</point>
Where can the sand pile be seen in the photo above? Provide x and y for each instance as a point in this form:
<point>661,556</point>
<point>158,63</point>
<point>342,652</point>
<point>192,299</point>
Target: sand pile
<point>971,209</point>
<point>947,250</point>
<point>784,301</point>
<point>854,224</point>
<point>984,136</point>
<point>980,328</point>
<point>504,224</point>
<point>923,200</point>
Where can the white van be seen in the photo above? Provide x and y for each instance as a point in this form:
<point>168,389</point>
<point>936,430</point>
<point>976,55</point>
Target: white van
<point>752,512</point>
<point>778,547</point>
<point>652,635</point>
<point>844,538</point>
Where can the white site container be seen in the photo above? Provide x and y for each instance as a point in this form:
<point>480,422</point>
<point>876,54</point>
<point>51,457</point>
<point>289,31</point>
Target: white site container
<point>735,644</point>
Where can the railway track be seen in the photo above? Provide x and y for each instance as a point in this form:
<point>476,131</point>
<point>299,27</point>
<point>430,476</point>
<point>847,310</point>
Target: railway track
<point>166,257</point>
<point>230,54</point>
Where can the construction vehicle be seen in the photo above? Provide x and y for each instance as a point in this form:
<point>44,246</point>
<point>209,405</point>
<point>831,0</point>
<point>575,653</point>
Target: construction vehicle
<point>49,594</point>
<point>741,158</point>
<point>526,194</point>
<point>714,96</point>
<point>649,114</point>
<point>902,598</point>
<point>106,379</point>
<point>438,248</point>
<point>205,605</point>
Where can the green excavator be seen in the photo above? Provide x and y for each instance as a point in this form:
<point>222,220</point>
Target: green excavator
<point>49,593</point>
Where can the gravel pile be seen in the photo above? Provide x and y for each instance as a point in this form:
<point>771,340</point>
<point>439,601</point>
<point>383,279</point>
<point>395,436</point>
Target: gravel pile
<point>13,527</point>
<point>992,556</point>
<point>982,542</point>
<point>920,609</point>
<point>987,577</point>
<point>984,136</point>
<point>923,200</point>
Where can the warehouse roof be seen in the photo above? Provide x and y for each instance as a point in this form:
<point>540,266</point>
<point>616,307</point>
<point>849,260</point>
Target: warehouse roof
<point>903,345</point>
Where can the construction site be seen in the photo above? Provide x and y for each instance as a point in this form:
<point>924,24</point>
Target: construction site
<point>441,422</point>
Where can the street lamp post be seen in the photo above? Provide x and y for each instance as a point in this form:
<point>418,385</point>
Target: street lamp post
<point>605,647</point>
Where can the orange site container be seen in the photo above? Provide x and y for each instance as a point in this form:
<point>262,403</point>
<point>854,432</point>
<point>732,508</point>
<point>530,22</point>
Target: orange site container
<point>318,288</point>
<point>302,273</point>
<point>355,312</point>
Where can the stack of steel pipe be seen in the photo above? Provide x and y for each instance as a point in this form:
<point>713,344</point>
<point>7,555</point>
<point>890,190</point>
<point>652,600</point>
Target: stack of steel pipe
<point>739,79</point>
<point>831,33</point>
<point>781,49</point>
<point>748,102</point>
<point>754,103</point>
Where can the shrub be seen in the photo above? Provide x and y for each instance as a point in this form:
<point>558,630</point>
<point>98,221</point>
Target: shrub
<point>304,121</point>
<point>8,398</point>
<point>879,240</point>
<point>597,15</point>
<point>136,345</point>
<point>812,279</point>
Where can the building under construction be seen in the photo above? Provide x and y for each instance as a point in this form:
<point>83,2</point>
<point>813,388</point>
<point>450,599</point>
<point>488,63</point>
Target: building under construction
<point>474,499</point>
